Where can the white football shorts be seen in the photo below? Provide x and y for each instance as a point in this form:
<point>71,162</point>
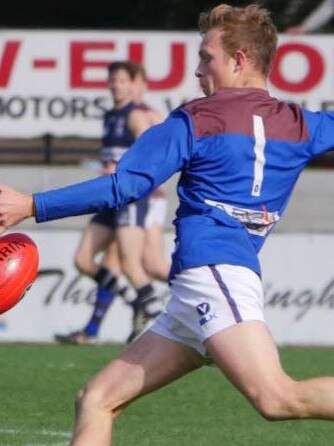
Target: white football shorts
<point>157,212</point>
<point>208,299</point>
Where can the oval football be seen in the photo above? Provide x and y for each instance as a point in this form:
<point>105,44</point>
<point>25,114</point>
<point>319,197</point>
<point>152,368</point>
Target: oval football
<point>18,268</point>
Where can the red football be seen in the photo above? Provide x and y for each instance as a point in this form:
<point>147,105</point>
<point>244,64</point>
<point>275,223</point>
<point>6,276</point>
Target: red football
<point>18,268</point>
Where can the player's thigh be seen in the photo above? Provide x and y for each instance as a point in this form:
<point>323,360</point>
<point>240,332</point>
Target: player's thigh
<point>237,336</point>
<point>130,232</point>
<point>154,242</point>
<point>94,239</point>
<point>151,362</point>
<point>247,355</point>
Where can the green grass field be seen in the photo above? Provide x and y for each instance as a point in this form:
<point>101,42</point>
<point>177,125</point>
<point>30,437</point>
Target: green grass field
<point>38,384</point>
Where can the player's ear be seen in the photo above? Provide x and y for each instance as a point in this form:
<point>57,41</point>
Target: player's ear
<point>239,60</point>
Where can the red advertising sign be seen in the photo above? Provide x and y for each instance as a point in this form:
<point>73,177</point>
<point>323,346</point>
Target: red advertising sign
<point>55,81</point>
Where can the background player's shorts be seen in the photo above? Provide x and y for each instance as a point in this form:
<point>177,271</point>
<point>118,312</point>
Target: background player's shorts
<point>208,299</point>
<point>157,211</point>
<point>133,214</point>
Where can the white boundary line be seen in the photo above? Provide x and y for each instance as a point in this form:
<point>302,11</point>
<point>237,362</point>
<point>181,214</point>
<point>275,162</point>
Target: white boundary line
<point>46,433</point>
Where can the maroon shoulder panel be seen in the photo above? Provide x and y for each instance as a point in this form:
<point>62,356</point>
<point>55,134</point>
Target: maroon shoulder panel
<point>232,110</point>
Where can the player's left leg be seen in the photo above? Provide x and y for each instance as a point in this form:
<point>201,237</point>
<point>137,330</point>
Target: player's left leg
<point>149,363</point>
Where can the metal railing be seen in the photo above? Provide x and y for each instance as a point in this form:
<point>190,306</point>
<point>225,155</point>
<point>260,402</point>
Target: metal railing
<point>48,149</point>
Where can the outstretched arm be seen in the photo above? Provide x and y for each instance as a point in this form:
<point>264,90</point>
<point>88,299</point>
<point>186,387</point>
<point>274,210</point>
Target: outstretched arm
<point>140,171</point>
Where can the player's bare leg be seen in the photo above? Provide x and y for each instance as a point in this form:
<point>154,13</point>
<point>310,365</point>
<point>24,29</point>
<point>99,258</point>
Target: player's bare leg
<point>135,372</point>
<point>110,259</point>
<point>247,355</point>
<point>146,306</point>
<point>95,238</point>
<point>130,242</point>
<point>154,259</point>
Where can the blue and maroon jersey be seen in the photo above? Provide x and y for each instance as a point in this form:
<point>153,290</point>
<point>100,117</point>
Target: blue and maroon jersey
<point>117,137</point>
<point>239,152</point>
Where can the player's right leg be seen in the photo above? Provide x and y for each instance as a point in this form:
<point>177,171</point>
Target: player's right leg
<point>218,310</point>
<point>248,356</point>
<point>146,365</point>
<point>238,340</point>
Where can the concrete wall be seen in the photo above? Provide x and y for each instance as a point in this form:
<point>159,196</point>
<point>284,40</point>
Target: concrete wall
<point>311,208</point>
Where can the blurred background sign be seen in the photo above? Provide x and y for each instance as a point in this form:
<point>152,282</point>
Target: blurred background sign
<point>55,81</point>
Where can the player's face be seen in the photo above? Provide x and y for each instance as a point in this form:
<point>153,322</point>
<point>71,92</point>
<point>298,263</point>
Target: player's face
<point>120,86</point>
<point>216,69</point>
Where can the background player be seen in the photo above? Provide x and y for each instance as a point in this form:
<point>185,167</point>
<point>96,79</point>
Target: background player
<point>154,259</point>
<point>119,234</point>
<point>240,152</point>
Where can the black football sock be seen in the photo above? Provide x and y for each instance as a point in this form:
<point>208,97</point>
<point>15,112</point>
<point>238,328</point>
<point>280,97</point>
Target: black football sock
<point>147,299</point>
<point>106,279</point>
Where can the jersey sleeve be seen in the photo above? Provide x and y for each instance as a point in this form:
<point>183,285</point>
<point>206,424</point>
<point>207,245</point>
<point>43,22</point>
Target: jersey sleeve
<point>321,130</point>
<point>153,158</point>
<point>160,152</point>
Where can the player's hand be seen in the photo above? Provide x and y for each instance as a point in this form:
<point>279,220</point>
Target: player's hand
<point>14,207</point>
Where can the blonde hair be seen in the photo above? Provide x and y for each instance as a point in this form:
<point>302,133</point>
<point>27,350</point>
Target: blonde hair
<point>249,29</point>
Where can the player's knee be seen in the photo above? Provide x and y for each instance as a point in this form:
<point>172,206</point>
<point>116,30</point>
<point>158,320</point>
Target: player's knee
<point>95,399</point>
<point>91,399</point>
<point>78,262</point>
<point>277,401</point>
<point>83,265</point>
<point>77,265</point>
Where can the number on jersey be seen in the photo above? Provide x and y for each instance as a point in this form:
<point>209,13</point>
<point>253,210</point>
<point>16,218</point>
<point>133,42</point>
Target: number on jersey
<point>260,143</point>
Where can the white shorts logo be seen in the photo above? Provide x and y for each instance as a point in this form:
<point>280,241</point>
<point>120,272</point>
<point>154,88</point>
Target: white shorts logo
<point>203,310</point>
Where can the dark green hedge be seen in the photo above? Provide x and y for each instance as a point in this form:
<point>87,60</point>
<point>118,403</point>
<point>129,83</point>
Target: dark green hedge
<point>133,14</point>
